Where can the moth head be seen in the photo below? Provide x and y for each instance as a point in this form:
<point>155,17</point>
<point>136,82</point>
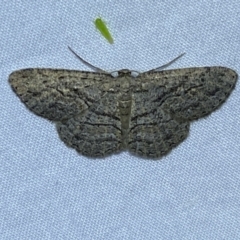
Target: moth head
<point>125,73</point>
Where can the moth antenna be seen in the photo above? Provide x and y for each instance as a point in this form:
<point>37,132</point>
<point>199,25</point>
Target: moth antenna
<point>96,69</point>
<point>166,65</point>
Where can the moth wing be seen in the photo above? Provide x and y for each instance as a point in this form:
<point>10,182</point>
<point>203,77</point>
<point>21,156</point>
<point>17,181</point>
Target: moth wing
<point>192,93</point>
<point>56,94</point>
<point>97,132</point>
<point>167,101</point>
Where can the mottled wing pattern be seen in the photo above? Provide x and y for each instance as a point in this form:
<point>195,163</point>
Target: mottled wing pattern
<point>148,115</point>
<point>56,94</point>
<point>200,90</point>
<point>163,108</point>
<point>86,117</point>
<point>97,133</point>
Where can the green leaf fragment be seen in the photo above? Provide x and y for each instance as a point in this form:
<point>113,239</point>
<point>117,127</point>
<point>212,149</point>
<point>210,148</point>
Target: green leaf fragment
<point>101,26</point>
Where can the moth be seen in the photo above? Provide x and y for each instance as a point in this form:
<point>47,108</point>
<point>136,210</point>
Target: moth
<point>101,26</point>
<point>147,115</point>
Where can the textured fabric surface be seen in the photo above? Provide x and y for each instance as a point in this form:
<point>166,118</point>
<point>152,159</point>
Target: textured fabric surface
<point>48,191</point>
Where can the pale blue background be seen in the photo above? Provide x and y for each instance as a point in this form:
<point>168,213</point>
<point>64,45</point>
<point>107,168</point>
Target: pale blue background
<point>48,191</point>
